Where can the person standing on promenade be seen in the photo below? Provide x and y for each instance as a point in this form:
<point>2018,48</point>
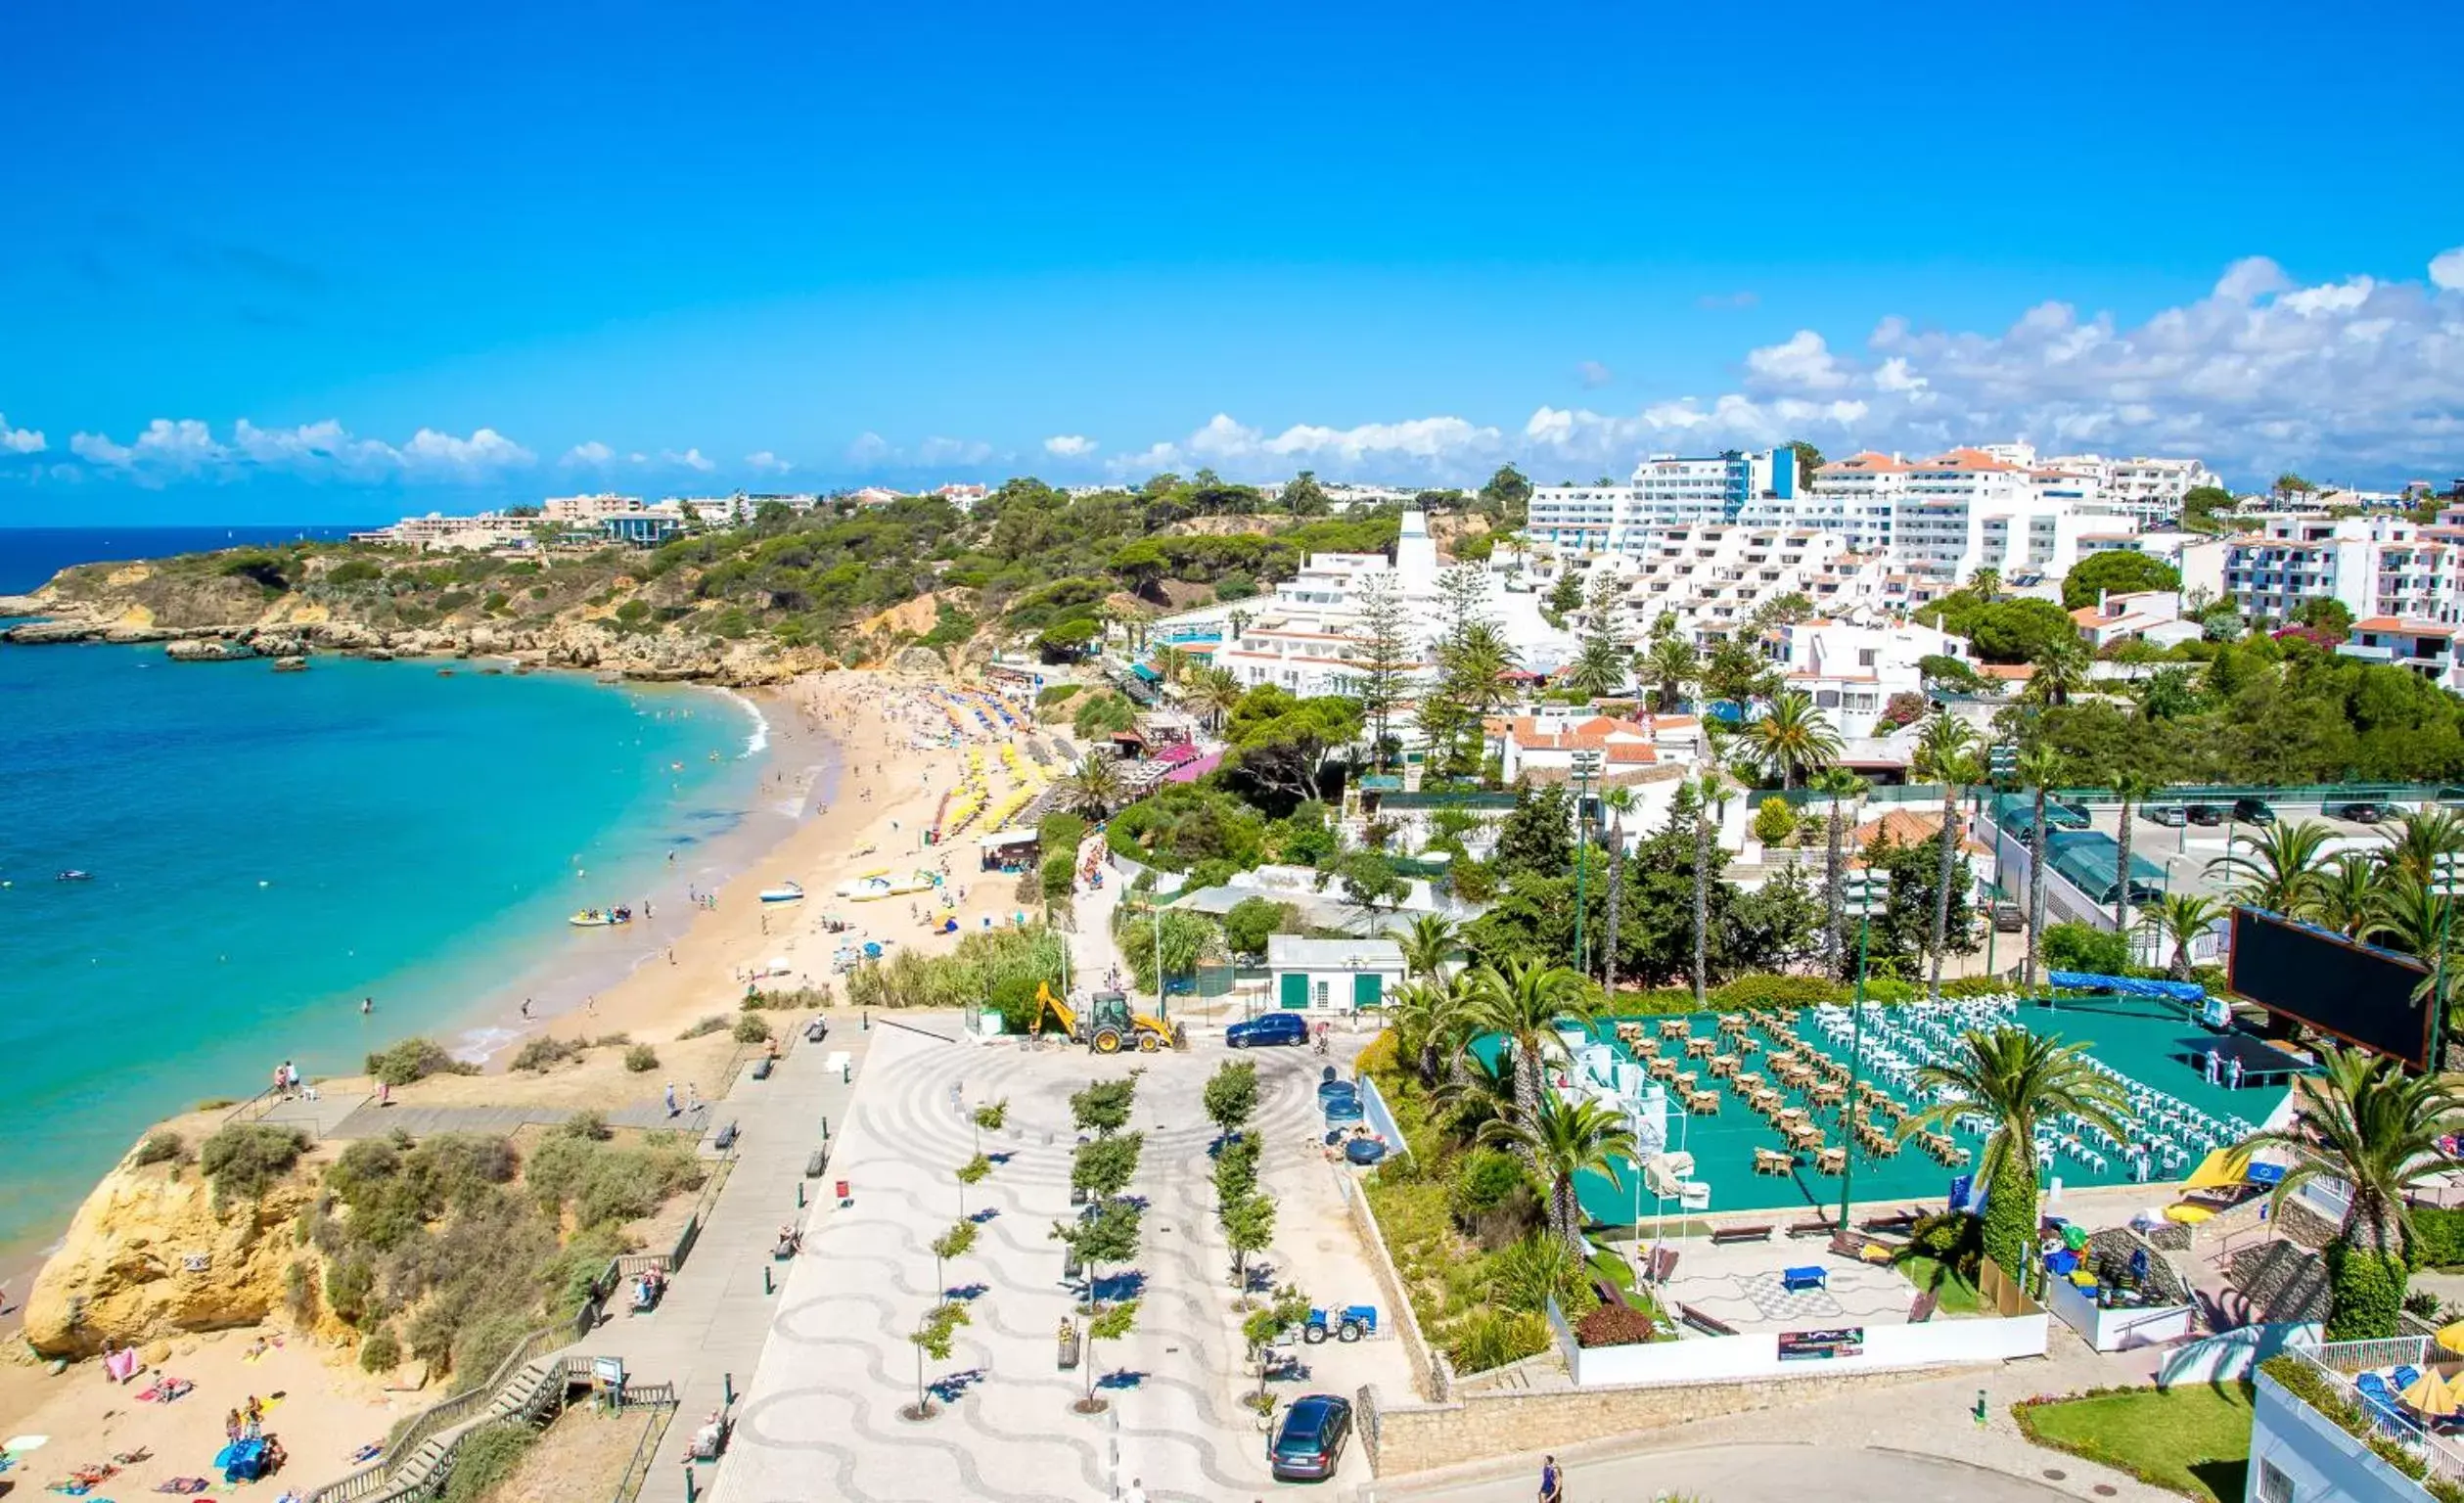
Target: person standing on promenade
<point>1552,1481</point>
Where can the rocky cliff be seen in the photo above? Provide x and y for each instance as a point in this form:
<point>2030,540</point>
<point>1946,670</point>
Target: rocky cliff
<point>218,619</point>
<point>149,1257</point>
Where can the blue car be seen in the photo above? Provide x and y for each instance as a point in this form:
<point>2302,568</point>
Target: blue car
<point>1270,1028</point>
<point>1310,1443</point>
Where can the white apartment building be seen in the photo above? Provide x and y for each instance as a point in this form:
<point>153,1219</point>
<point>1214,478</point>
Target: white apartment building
<point>1667,490</point>
<point>1967,511</point>
<point>2376,566</point>
<point>1849,670</point>
<point>438,534</point>
<point>2428,648</point>
<point>1712,578</point>
<point>1306,637</point>
<point>589,511</point>
<point>2148,491</point>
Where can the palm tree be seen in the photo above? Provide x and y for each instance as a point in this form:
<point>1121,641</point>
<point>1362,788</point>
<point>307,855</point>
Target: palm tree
<point>1985,584</point>
<point>2019,1078</point>
<point>1431,938</point>
<point>1620,802</point>
<point>1709,790</point>
<point>1945,754</point>
<point>1565,1139</point>
<point>1170,663</point>
<point>2132,788</point>
<point>1095,786</point>
<point>1794,738</point>
<point>1429,1022</point>
<point>2279,870</point>
<point>1218,692</point>
<point>1669,665</point>
<point>2372,1126</point>
<point>1838,785</point>
<point>2346,897</point>
<point>2062,670</point>
<point>1521,1001</point>
<point>2420,840</point>
<point>2182,917</point>
<point>2039,768</point>
<point>2404,912</point>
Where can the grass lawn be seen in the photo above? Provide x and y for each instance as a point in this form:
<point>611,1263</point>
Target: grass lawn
<point>2194,1439</point>
<point>1956,1294</point>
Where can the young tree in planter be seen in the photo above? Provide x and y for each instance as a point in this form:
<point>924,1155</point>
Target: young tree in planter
<point>1261,1330</point>
<point>1110,1326</point>
<point>952,1243</point>
<point>1104,1167</point>
<point>1236,1170</point>
<point>1231,1098</point>
<point>1106,1236</point>
<point>991,1117</point>
<point>971,1173</point>
<point>1248,1226</point>
<point>934,1337</point>
<point>1102,1108</point>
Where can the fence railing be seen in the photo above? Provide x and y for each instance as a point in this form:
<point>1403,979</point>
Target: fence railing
<point>414,1432</point>
<point>2337,1362</point>
<point>637,1470</point>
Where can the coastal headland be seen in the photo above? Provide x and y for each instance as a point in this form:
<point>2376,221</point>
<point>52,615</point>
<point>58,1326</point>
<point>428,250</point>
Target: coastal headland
<point>272,1290</point>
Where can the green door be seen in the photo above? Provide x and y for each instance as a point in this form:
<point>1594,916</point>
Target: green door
<point>1368,989</point>
<point>1295,989</point>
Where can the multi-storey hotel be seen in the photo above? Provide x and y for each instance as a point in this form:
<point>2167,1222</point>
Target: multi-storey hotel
<point>2376,566</point>
<point>1667,490</point>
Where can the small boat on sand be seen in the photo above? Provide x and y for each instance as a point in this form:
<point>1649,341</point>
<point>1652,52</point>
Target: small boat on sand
<point>601,918</point>
<point>784,893</point>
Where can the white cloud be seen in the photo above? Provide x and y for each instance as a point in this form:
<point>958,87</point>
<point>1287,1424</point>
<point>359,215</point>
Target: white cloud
<point>1803,362</point>
<point>592,455</point>
<point>484,451</point>
<point>691,459</point>
<point>1591,372</point>
<point>765,462</point>
<point>954,451</point>
<point>19,440</point>
<point>869,449</point>
<point>1068,445</point>
<point>168,448</point>
<point>2446,270</point>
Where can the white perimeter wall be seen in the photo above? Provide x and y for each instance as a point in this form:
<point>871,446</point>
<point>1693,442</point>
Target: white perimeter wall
<point>1711,1359</point>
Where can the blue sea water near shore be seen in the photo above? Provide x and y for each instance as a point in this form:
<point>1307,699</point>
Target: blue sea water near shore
<point>267,849</point>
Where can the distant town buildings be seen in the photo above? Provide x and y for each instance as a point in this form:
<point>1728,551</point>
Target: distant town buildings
<point>2375,566</point>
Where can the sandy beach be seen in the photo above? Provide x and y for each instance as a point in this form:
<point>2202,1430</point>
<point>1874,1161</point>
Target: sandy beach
<point>898,744</point>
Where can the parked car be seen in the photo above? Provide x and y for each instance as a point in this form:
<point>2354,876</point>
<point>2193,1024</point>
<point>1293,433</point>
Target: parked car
<point>2007,918</point>
<point>1310,1444</point>
<point>2173,816</point>
<point>1267,1028</point>
<point>2254,811</point>
<point>2363,813</point>
<point>2204,814</point>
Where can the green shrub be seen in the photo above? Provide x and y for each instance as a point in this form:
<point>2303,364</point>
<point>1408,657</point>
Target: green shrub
<point>1616,1325</point>
<point>1015,998</point>
<point>379,1352</point>
<point>1955,1239</point>
<point>2437,1237</point>
<point>1485,1179</point>
<point>1054,694</point>
<point>1774,823</point>
<point>642,1059</point>
<point>299,1292</point>
<point>541,1052</point>
<point>351,1285</point>
<point>750,1030</point>
<point>2086,947</point>
<point>717,1023</point>
<point>481,1344</point>
<point>1492,1337</point>
<point>160,1147</point>
<point>1061,832</point>
<point>487,1457</point>
<point>1761,991</point>
<point>245,1160</point>
<point>589,1126</point>
<point>415,1059</point>
<point>2366,1293</point>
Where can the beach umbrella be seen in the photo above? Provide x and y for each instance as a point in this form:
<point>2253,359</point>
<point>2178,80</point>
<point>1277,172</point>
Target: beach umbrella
<point>2431,1394</point>
<point>18,1446</point>
<point>2452,1337</point>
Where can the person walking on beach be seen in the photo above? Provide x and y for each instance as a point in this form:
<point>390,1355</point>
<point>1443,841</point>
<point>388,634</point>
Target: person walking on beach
<point>671,1098</point>
<point>525,1007</point>
<point>366,1005</point>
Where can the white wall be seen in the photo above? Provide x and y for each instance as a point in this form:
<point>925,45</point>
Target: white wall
<point>2318,1457</point>
<point>2233,1355</point>
<point>1713,1359</point>
<point>2108,1330</point>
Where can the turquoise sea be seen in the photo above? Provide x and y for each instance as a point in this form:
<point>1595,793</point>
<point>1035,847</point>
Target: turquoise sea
<point>267,849</point>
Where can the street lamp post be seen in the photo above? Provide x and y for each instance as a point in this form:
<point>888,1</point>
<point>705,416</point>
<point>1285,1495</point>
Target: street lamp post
<point>1586,766</point>
<point>1866,893</point>
<point>2447,880</point>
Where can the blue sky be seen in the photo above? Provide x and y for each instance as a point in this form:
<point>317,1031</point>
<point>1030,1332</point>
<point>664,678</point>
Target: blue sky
<point>445,254</point>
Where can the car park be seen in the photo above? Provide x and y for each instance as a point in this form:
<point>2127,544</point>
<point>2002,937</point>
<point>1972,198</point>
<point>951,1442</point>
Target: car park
<point>2007,919</point>
<point>2173,816</point>
<point>2254,811</point>
<point>1267,1028</point>
<point>1310,1444</point>
<point>2203,815</point>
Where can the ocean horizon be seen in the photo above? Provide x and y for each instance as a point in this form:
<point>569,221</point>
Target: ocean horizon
<point>267,849</point>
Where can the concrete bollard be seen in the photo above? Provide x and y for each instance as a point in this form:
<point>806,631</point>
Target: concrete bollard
<point>727,1386</point>
<point>690,1493</point>
<point>765,1279</point>
<point>799,1195</point>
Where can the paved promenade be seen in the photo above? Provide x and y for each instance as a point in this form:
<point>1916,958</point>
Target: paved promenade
<point>823,1418</point>
<point>716,1313</point>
